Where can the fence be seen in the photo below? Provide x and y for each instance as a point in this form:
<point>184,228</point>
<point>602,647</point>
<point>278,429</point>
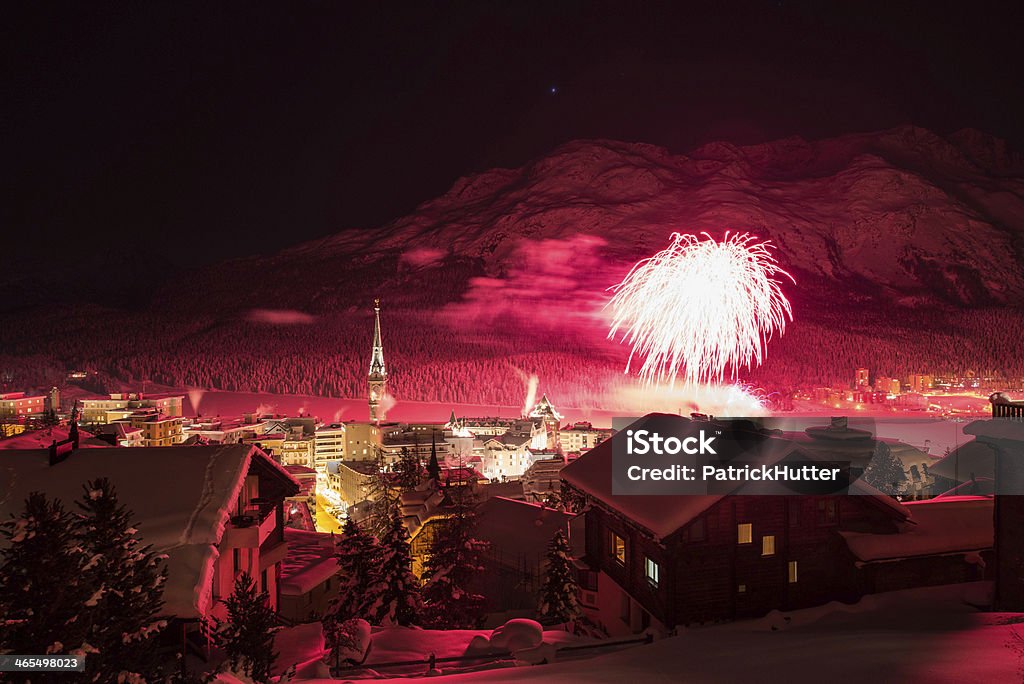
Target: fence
<point>430,662</point>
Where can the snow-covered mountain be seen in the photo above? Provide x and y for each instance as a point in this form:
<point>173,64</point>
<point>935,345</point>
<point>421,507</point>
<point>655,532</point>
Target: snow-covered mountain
<point>901,214</point>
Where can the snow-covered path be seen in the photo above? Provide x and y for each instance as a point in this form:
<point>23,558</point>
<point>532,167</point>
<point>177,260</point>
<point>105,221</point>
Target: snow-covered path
<point>927,635</point>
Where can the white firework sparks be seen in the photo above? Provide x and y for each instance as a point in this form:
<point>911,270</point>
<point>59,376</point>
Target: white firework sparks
<point>701,310</point>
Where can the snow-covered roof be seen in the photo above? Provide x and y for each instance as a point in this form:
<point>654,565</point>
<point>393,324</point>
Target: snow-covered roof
<point>973,459</point>
<point>997,429</point>
<point>942,526</point>
<point>310,561</point>
<point>41,439</point>
<point>664,515</point>
<point>518,529</point>
<point>180,498</point>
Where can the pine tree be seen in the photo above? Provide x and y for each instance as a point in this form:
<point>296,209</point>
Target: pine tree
<point>385,498</point>
<point>358,555</point>
<point>247,636</point>
<point>408,470</point>
<point>452,566</point>
<point>552,499</point>
<point>394,592</point>
<point>121,620</point>
<point>558,595</point>
<point>433,467</point>
<point>885,471</point>
<point>42,586</point>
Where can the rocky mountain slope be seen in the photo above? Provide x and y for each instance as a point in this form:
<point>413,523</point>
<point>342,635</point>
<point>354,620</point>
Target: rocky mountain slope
<point>897,214</point>
<point>907,250</point>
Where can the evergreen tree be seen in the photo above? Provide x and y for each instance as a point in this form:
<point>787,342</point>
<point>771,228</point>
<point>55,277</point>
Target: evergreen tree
<point>358,555</point>
<point>453,563</point>
<point>43,590</point>
<point>247,636</point>
<point>558,595</point>
<point>121,621</point>
<point>433,467</point>
<point>572,500</point>
<point>394,595</point>
<point>885,471</point>
<point>408,470</point>
<point>385,498</point>
<point>552,499</point>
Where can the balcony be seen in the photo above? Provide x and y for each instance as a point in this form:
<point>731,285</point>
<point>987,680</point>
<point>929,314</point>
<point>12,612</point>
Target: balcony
<point>251,527</point>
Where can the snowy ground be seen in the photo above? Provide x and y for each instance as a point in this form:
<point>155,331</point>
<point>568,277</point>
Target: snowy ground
<point>922,635</point>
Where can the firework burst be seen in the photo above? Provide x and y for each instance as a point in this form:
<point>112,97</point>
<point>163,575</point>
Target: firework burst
<point>700,310</point>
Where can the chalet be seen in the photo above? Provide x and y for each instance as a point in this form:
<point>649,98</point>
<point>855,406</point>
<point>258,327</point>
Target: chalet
<point>214,510</point>
<point>660,561</point>
<point>1004,435</point>
<point>308,582</point>
<point>518,534</point>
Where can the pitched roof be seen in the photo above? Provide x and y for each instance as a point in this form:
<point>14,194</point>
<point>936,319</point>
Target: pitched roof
<point>186,521</point>
<point>663,515</point>
<point>959,524</point>
<point>41,439</point>
<point>517,529</point>
<point>310,561</point>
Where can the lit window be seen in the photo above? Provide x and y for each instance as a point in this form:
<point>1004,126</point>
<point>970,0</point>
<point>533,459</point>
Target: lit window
<point>618,548</point>
<point>744,533</point>
<point>792,572</point>
<point>742,589</point>
<point>652,571</point>
<point>768,545</point>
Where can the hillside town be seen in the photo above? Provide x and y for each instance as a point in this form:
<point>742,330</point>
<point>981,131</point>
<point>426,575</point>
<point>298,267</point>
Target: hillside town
<point>351,529</point>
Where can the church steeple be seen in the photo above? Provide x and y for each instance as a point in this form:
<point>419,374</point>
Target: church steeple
<point>377,380</point>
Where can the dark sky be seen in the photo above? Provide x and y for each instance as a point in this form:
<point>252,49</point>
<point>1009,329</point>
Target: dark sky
<point>141,139</point>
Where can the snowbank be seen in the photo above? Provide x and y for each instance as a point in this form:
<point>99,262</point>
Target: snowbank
<point>921,635</point>
<point>300,646</point>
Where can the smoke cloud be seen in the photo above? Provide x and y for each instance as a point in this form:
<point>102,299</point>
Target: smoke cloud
<point>547,283</point>
<point>421,257</point>
<point>280,317</point>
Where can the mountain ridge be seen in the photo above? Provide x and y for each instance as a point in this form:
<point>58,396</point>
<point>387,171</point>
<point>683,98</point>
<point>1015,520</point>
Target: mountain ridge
<point>901,213</point>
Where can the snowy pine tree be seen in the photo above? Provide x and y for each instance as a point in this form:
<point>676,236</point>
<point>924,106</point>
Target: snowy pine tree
<point>385,498</point>
<point>394,593</point>
<point>247,636</point>
<point>358,554</point>
<point>121,620</point>
<point>453,564</point>
<point>42,588</point>
<point>433,467</point>
<point>408,470</point>
<point>885,471</point>
<point>558,595</point>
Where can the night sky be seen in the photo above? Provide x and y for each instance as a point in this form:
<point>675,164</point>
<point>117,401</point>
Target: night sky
<point>143,139</point>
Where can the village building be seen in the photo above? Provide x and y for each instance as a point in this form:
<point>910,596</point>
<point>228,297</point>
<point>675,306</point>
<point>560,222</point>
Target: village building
<point>328,444</point>
<point>308,582</point>
<point>517,534</point>
<point>1004,435</point>
<point>661,561</point>
<point>224,514</point>
<point>121,406</point>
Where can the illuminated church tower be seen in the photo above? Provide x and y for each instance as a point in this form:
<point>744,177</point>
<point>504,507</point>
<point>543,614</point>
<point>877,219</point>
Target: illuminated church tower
<point>377,380</point>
